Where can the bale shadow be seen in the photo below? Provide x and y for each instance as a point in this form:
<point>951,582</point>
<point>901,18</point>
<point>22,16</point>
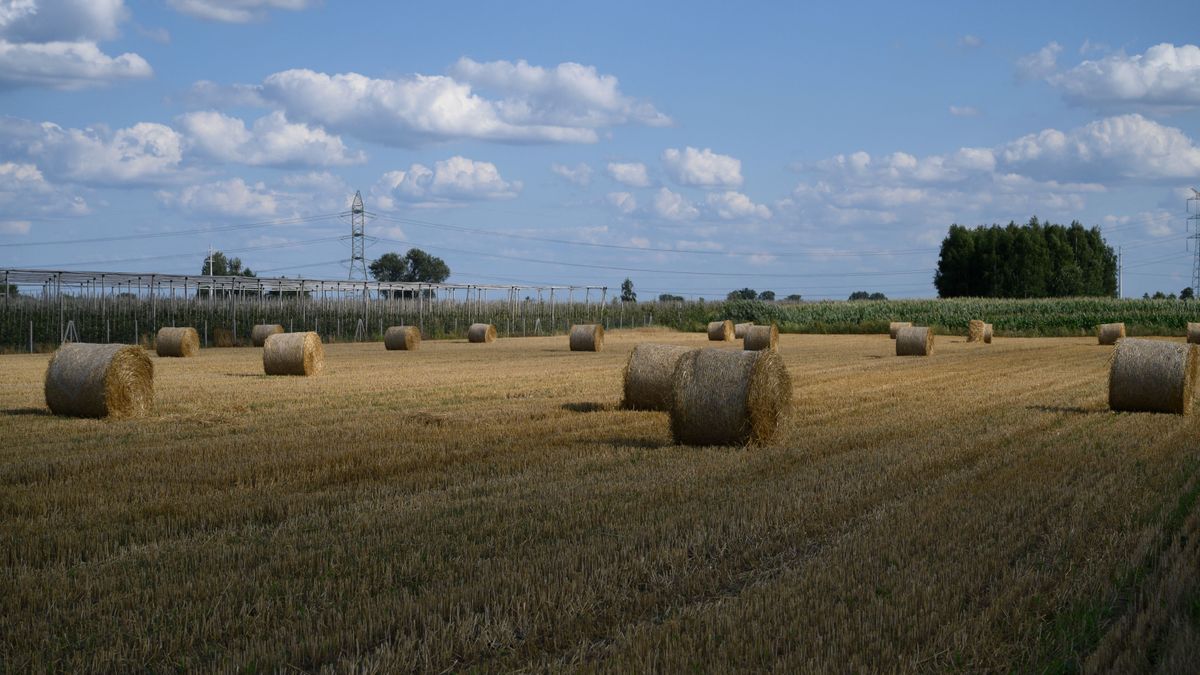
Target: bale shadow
<point>1073,410</point>
<point>19,412</point>
<point>589,407</point>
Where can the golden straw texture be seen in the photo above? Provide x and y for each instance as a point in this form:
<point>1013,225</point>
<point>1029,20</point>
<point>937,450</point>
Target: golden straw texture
<point>260,333</point>
<point>481,332</point>
<point>720,331</point>
<point>761,337</point>
<point>1152,376</point>
<point>975,330</point>
<point>177,342</point>
<point>722,397</point>
<point>293,354</point>
<point>648,372</point>
<point>987,333</point>
<point>1109,333</point>
<point>405,338</point>
<point>914,341</point>
<point>587,337</point>
<point>739,330</point>
<point>895,326</point>
<point>1193,333</point>
<point>91,380</point>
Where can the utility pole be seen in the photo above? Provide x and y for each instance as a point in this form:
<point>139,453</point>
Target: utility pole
<point>1193,228</point>
<point>1120,276</point>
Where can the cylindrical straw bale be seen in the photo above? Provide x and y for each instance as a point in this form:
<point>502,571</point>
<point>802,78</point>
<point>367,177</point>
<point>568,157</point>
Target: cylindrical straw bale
<point>260,333</point>
<point>402,337</point>
<point>761,337</point>
<point>1193,333</point>
<point>1109,333</point>
<point>177,342</point>
<point>1152,376</point>
<point>987,333</point>
<point>722,397</point>
<point>914,341</point>
<point>648,372</point>
<point>90,380</point>
<point>293,354</point>
<point>895,326</point>
<point>975,330</point>
<point>587,337</point>
<point>739,330</point>
<point>720,331</point>
<point>481,332</point>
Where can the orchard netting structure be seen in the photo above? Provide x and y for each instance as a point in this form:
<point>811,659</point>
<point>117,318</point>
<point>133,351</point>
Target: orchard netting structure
<point>40,309</point>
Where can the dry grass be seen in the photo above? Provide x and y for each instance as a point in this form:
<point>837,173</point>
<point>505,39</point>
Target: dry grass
<point>468,509</point>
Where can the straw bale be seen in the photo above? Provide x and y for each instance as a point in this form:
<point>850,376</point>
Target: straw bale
<point>895,326</point>
<point>260,333</point>
<point>177,342</point>
<point>481,332</point>
<point>648,372</point>
<point>975,330</point>
<point>739,330</point>
<point>405,338</point>
<point>723,397</point>
<point>587,337</point>
<point>761,337</point>
<point>1109,333</point>
<point>1152,376</point>
<point>720,331</point>
<point>1193,333</point>
<point>914,341</point>
<point>293,354</point>
<point>987,333</point>
<point>93,380</point>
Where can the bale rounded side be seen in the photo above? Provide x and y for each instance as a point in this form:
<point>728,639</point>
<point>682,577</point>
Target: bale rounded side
<point>405,338</point>
<point>94,380</point>
<point>739,330</point>
<point>648,372</point>
<point>1193,333</point>
<point>293,354</point>
<point>895,326</point>
<point>987,333</point>
<point>1109,333</point>
<point>914,341</point>
<point>587,337</point>
<point>761,337</point>
<point>975,329</point>
<point>720,331</point>
<point>722,397</point>
<point>1152,376</point>
<point>260,333</point>
<point>181,342</point>
<point>481,332</point>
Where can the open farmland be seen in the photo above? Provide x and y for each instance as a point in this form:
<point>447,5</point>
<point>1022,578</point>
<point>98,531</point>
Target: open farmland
<point>488,506</point>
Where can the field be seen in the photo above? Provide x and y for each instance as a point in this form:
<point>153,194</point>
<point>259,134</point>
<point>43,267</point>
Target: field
<point>488,507</point>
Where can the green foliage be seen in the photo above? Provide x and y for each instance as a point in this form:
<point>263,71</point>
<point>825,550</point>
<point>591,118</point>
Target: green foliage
<point>794,297</point>
<point>220,265</point>
<point>863,295</point>
<point>742,294</point>
<point>667,297</point>
<point>415,266</point>
<point>768,296</point>
<point>1026,261</point>
<point>1187,294</point>
<point>627,294</point>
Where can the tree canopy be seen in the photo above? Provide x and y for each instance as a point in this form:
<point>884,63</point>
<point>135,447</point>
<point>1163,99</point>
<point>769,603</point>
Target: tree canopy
<point>222,265</point>
<point>627,294</point>
<point>1025,261</point>
<point>415,266</point>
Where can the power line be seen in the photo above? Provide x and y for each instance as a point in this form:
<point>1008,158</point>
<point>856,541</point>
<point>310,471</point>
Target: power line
<point>175,233</point>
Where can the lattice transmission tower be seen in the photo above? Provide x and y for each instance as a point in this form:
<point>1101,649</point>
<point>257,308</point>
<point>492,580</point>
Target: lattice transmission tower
<point>358,237</point>
<point>1193,227</point>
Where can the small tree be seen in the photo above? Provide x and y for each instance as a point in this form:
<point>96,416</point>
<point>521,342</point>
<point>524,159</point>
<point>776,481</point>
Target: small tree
<point>878,296</point>
<point>742,294</point>
<point>794,297</point>
<point>627,294</point>
<point>769,296</point>
<point>667,297</point>
<point>859,295</point>
<point>1187,294</point>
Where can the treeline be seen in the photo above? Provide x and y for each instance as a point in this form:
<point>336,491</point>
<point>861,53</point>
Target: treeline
<point>1026,261</point>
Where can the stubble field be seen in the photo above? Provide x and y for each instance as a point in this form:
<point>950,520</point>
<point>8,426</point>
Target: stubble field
<point>489,507</point>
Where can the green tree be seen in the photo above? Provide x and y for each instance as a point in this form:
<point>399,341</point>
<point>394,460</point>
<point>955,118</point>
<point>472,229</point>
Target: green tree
<point>627,294</point>
<point>667,297</point>
<point>1187,294</point>
<point>742,294</point>
<point>220,265</point>
<point>425,268</point>
<point>768,296</point>
<point>859,295</point>
<point>794,297</point>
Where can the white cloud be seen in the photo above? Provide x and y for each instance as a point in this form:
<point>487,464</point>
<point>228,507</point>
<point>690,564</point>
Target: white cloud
<point>450,181</point>
<point>1039,64</point>
<point>703,168</point>
<point>61,20</point>
<point>1158,223</point>
<point>732,205</point>
<point>580,174</point>
<point>624,202</point>
<point>235,11</point>
<point>272,141</point>
<point>1165,75</point>
<point>24,191</point>
<point>233,197</point>
<point>144,153</point>
<point>964,111</point>
<point>632,174</point>
<point>970,42</point>
<point>673,206</point>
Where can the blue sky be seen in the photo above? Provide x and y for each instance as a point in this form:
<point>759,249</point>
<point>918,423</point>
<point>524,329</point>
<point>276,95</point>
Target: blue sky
<point>695,148</point>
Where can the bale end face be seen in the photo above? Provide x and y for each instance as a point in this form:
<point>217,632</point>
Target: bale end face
<point>293,354</point>
<point>1152,376</point>
<point>94,380</point>
<point>720,331</point>
<point>914,341</point>
<point>761,337</point>
<point>987,333</point>
<point>481,333</point>
<point>405,338</point>
<point>181,342</point>
<point>588,337</point>
<point>975,330</point>
<point>648,372</point>
<point>1109,333</point>
<point>722,397</point>
<point>895,326</point>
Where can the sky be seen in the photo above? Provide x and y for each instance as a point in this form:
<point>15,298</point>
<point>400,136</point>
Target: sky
<point>695,148</point>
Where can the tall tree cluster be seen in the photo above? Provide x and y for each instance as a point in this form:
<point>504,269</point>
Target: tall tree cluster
<point>1026,261</point>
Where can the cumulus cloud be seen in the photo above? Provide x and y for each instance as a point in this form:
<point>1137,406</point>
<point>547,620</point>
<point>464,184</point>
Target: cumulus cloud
<point>703,168</point>
<point>732,205</point>
<point>673,206</point>
<point>580,174</point>
<point>1158,223</point>
<point>624,202</point>
<point>449,182</point>
<point>144,153</point>
<point>235,11</point>
<point>61,20</point>
<point>233,197</point>
<point>1165,75</point>
<point>632,174</point>
<point>272,141</point>
<point>1039,64</point>
<point>25,191</point>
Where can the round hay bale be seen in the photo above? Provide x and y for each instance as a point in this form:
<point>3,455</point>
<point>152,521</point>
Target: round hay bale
<point>587,337</point>
<point>975,330</point>
<point>720,331</point>
<point>1109,333</point>
<point>648,384</point>
<point>260,333</point>
<point>1193,332</point>
<point>987,333</point>
<point>723,397</point>
<point>90,380</point>
<point>293,354</point>
<point>405,338</point>
<point>481,332</point>
<point>1152,376</point>
<point>739,330</point>
<point>761,337</point>
<point>177,342</point>
<point>914,341</point>
<point>895,326</point>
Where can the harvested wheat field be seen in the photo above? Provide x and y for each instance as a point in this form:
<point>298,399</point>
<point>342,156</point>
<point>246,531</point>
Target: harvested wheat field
<point>466,509</point>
